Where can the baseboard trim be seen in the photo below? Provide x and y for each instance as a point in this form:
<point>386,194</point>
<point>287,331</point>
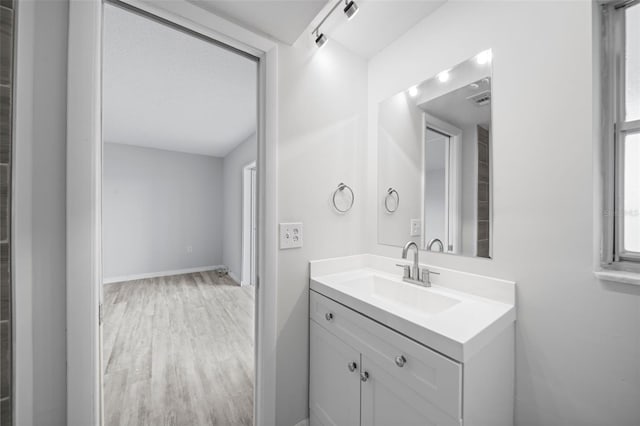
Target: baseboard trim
<point>159,274</point>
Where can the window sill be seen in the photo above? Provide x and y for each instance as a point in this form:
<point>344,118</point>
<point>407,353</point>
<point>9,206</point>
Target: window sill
<point>632,278</point>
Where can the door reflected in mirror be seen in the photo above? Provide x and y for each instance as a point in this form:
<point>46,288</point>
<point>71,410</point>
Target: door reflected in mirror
<point>434,151</point>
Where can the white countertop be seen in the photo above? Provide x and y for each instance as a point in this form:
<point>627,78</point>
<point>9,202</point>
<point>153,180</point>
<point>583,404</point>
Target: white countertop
<point>453,322</point>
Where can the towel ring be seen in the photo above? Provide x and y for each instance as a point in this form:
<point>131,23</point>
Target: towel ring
<point>341,187</point>
<point>390,195</point>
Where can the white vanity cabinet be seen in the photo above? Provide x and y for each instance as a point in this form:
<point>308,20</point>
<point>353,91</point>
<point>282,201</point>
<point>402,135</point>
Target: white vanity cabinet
<point>390,353</point>
<point>363,373</point>
<point>335,374</point>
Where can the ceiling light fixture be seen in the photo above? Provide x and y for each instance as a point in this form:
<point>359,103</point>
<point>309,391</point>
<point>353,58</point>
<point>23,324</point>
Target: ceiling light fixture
<point>413,92</point>
<point>350,9</point>
<point>444,76</point>
<point>321,39</point>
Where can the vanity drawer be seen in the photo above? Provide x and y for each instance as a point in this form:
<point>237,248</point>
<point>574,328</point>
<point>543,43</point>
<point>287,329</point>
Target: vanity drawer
<point>427,373</point>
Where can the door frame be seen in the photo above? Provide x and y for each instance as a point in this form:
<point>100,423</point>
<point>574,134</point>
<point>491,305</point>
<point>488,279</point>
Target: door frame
<point>453,189</point>
<point>84,185</point>
<point>248,200</point>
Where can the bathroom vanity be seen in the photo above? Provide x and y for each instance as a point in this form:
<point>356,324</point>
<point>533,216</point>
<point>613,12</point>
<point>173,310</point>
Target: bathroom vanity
<point>388,352</point>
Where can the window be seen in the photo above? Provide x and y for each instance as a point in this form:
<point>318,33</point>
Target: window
<point>621,132</point>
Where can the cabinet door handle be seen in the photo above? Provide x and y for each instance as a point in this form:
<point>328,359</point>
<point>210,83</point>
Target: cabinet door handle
<point>352,366</point>
<point>328,316</point>
<point>401,360</point>
<point>364,376</point>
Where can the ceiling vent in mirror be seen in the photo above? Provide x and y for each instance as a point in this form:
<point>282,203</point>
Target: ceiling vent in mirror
<point>480,99</point>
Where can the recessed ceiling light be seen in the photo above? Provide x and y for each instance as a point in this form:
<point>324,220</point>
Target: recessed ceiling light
<point>483,57</point>
<point>413,92</point>
<point>350,9</point>
<point>443,76</point>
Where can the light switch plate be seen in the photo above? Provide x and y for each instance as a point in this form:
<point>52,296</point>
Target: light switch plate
<point>290,235</point>
<point>416,228</point>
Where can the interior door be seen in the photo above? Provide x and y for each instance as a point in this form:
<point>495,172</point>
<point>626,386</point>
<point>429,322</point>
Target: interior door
<point>334,382</point>
<point>388,401</point>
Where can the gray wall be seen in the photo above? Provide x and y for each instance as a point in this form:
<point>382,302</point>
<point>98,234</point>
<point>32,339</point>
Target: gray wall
<point>234,162</point>
<point>156,204</point>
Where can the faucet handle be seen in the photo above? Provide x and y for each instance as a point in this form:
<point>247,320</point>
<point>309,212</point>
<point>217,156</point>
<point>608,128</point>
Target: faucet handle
<point>426,275</point>
<point>406,269</point>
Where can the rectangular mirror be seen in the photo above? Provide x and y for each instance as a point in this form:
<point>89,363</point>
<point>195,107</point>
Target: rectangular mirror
<point>434,162</point>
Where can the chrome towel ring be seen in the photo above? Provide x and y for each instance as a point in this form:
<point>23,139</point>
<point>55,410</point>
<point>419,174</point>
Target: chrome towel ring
<point>392,194</point>
<point>341,187</point>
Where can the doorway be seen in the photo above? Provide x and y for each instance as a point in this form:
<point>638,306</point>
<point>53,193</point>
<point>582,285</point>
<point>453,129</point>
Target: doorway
<point>179,116</point>
<point>84,186</point>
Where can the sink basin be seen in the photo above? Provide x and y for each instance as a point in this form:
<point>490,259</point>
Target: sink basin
<point>420,300</point>
<point>457,317</point>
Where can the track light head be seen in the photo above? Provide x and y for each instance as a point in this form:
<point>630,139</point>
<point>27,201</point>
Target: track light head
<point>321,40</point>
<point>350,9</point>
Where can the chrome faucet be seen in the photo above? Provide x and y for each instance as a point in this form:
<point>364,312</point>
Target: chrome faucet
<point>432,242</point>
<point>412,273</point>
<point>415,268</point>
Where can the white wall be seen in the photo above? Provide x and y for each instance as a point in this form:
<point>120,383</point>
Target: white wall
<point>577,341</point>
<point>400,165</point>
<point>322,134</point>
<point>155,205</point>
<point>39,213</point>
<point>234,162</point>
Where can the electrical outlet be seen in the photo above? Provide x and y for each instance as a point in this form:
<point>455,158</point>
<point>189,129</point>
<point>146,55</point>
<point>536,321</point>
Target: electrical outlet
<point>416,228</point>
<point>290,235</point>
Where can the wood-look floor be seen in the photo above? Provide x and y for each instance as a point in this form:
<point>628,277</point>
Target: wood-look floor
<point>178,351</point>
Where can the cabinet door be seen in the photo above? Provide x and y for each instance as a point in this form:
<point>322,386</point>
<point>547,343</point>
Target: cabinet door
<point>334,390</point>
<point>386,400</point>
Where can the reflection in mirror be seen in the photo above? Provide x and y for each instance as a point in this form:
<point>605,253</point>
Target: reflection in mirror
<point>434,150</point>
<point>435,189</point>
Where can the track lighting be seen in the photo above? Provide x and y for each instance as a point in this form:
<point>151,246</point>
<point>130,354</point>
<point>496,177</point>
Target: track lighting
<point>321,40</point>
<point>350,9</point>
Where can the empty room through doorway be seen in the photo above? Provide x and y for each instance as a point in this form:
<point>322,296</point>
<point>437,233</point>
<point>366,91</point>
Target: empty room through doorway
<point>178,225</point>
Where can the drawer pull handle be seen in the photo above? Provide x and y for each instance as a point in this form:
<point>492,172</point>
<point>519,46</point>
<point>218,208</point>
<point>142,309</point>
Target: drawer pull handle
<point>328,316</point>
<point>364,376</point>
<point>401,360</point>
<point>352,366</point>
